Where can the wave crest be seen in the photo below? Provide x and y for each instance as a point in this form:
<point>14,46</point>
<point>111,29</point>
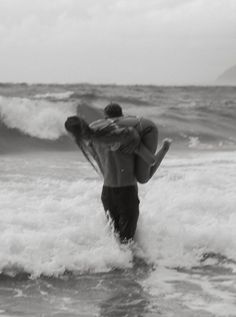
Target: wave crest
<point>37,118</point>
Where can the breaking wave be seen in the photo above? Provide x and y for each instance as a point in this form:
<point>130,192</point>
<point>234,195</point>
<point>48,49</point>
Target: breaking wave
<point>197,118</point>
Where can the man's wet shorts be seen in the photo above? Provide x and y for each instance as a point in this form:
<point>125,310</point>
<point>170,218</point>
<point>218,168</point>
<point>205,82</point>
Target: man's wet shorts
<point>122,205</point>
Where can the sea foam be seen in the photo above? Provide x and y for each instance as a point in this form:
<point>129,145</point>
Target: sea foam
<point>52,218</point>
<point>37,118</point>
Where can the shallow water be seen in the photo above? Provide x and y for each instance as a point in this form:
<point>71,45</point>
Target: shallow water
<point>114,293</point>
<point>199,292</point>
<point>58,256</point>
<point>53,228</point>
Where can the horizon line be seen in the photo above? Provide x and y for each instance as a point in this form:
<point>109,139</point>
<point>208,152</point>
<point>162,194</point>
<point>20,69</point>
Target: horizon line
<point>3,83</point>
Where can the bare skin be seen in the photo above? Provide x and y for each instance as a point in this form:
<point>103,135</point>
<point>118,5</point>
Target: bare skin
<point>151,162</point>
<point>119,163</point>
<point>159,156</point>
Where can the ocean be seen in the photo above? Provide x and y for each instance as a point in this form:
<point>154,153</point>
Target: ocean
<point>58,256</point>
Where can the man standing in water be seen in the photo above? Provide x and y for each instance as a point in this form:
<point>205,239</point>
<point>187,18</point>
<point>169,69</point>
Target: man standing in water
<point>115,156</point>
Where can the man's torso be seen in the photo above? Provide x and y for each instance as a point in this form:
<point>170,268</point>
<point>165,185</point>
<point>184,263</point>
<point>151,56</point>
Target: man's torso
<point>118,168</point>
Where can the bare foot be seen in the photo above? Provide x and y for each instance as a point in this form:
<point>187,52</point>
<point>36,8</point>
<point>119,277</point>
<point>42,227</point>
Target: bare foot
<point>159,156</point>
<point>166,144</point>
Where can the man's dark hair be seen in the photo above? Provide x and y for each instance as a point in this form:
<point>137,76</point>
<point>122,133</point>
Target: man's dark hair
<point>113,110</point>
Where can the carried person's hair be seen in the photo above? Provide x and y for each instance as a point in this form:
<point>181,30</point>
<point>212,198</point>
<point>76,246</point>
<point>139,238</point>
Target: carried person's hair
<point>77,126</point>
<point>81,131</point>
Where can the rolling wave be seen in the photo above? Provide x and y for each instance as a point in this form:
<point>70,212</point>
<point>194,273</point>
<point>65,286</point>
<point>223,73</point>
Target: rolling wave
<point>31,124</point>
<point>33,116</point>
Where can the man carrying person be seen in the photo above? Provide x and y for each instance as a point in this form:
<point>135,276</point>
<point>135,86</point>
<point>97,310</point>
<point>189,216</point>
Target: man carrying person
<point>115,146</point>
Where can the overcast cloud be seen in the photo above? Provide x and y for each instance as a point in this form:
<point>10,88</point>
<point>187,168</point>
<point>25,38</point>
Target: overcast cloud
<point>117,41</point>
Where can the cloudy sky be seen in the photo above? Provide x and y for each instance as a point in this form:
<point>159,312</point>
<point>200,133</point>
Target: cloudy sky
<point>116,41</point>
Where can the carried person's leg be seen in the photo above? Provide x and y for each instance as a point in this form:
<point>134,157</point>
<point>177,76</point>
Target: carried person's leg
<point>147,163</point>
<point>159,156</point>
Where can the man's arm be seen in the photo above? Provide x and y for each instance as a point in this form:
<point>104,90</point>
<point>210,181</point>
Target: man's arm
<point>128,139</point>
<point>107,132</point>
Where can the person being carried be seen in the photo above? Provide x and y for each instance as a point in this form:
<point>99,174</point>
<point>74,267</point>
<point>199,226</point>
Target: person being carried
<point>115,148</point>
<point>148,159</point>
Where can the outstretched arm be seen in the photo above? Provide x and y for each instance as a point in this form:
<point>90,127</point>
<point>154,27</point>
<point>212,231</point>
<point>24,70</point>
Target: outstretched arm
<point>123,136</point>
<point>126,139</point>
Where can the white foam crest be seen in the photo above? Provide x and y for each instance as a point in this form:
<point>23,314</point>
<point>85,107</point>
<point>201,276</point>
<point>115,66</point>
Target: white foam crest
<point>56,95</point>
<point>189,210</point>
<point>37,118</point>
<point>49,225</point>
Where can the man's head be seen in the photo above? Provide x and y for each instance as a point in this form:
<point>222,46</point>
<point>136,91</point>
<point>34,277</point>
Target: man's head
<point>113,110</point>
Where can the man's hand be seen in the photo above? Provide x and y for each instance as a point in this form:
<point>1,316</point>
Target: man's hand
<point>133,141</point>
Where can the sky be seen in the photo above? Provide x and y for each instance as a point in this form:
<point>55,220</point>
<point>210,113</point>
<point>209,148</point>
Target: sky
<point>160,42</point>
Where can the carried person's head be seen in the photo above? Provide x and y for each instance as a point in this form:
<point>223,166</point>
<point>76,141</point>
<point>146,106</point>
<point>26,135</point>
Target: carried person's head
<point>81,131</point>
<point>78,127</point>
<point>113,110</point>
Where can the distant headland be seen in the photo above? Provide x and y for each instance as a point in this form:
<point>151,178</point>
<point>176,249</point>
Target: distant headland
<point>228,77</point>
